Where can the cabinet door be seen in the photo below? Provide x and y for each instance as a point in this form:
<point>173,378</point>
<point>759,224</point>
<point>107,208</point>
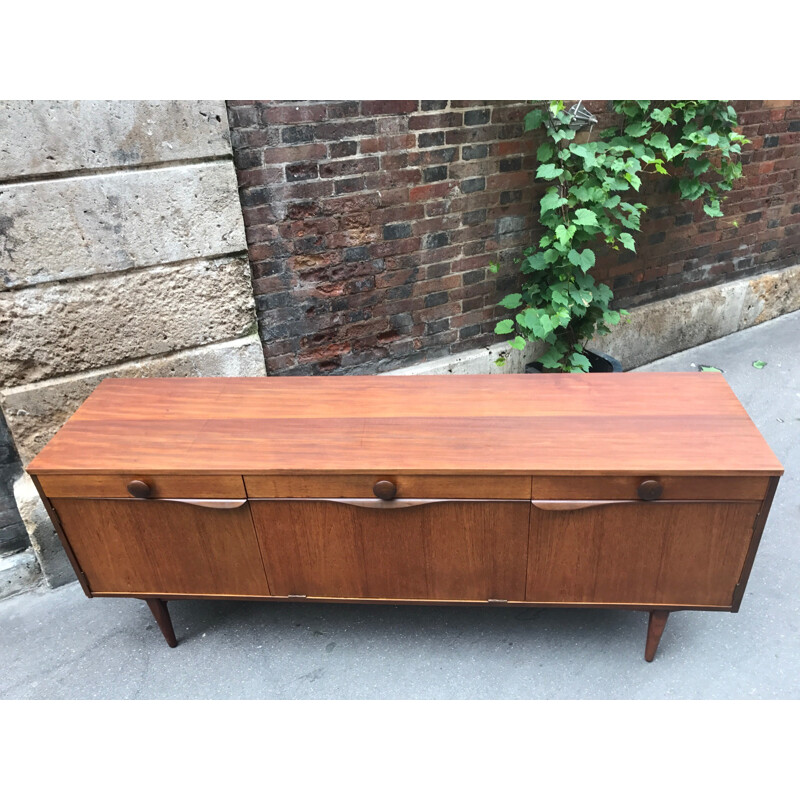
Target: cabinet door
<point>162,547</point>
<point>445,550</point>
<point>639,553</point>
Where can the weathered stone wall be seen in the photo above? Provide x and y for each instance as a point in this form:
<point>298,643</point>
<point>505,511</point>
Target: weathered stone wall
<point>122,252</point>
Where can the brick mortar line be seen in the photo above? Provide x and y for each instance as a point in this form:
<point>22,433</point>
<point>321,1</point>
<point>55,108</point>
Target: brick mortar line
<point>152,166</point>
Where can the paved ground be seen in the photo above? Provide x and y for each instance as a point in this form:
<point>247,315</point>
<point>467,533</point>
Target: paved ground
<point>58,644</point>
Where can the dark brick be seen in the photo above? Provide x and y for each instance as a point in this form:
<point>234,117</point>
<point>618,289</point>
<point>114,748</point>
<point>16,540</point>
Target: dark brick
<point>474,276</point>
<point>435,299</point>
<point>771,141</point>
<point>478,117</point>
<point>343,149</point>
<point>434,174</point>
<point>435,139</point>
<point>474,217</point>
<point>796,208</point>
<point>399,292</point>
<point>469,152</point>
<point>511,164</point>
<point>400,230</point>
<point>437,326</point>
<point>348,108</point>
<point>302,210</point>
<point>247,159</point>
<point>507,198</point>
<point>656,238</point>
<point>794,126</point>
<point>469,331</point>
<point>659,212</point>
<point>297,134</point>
<point>349,185</point>
<point>309,244</point>
<point>303,171</point>
<point>446,155</point>
<point>755,216</point>
<point>372,107</point>
<point>356,253</point>
<point>434,240</point>
<point>255,196</point>
<point>770,245</point>
<point>684,219</point>
<point>473,185</point>
<point>433,105</point>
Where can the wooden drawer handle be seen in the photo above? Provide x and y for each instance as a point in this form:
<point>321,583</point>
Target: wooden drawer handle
<point>650,490</point>
<point>572,505</point>
<point>385,490</point>
<point>206,503</point>
<point>139,489</point>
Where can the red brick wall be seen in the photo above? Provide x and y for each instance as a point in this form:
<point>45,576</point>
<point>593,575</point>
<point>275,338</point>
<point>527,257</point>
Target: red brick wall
<point>370,224</point>
<point>681,249</point>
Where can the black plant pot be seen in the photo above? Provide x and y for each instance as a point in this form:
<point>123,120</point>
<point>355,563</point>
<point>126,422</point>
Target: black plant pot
<point>600,362</point>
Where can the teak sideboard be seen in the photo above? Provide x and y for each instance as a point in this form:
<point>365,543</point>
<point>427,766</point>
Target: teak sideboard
<point>643,491</point>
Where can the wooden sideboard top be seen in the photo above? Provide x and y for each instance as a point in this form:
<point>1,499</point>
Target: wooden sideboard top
<point>629,423</point>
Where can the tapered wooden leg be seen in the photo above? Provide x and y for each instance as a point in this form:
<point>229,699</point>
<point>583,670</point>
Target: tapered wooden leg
<point>158,608</point>
<point>658,621</point>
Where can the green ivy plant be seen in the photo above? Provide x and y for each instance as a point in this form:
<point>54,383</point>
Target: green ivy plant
<point>588,204</point>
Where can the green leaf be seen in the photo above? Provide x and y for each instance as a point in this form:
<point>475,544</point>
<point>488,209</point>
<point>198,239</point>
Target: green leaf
<point>552,200</point>
<point>638,129</point>
<point>511,301</point>
<point>518,343</point>
<point>563,234</point>
<point>633,180</point>
<point>627,241</point>
<point>611,317</point>
<point>504,326</point>
<point>580,361</point>
<point>549,172</point>
<point>659,140</point>
<point>661,114</point>
<point>533,119</point>
<point>545,151</point>
<point>500,362</point>
<point>493,268</point>
<point>586,217</point>
<point>759,364</point>
<point>706,368</point>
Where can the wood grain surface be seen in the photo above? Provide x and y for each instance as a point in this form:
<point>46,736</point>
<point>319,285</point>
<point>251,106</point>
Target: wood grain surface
<point>442,551</point>
<point>504,487</point>
<point>155,547</point>
<point>659,553</point>
<point>619,424</point>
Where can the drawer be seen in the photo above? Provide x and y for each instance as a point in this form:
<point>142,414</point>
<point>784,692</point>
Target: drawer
<point>466,487</point>
<point>627,487</point>
<point>189,486</point>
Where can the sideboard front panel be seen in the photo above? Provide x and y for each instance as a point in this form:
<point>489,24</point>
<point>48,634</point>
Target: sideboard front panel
<point>161,547</point>
<point>639,553</point>
<point>437,551</point>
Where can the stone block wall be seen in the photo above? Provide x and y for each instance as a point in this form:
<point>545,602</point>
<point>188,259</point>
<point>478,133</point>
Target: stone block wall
<point>122,253</point>
<point>370,224</point>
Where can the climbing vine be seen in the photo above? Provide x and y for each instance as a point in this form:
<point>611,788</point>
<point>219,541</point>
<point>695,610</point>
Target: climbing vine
<point>589,203</point>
